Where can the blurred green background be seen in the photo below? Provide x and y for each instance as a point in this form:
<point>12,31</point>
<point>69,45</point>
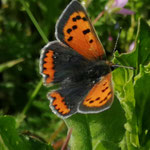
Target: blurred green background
<point>20,45</point>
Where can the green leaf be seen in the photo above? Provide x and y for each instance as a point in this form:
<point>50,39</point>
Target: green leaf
<point>81,138</point>
<point>11,140</point>
<point>132,88</point>
<point>141,53</point>
<point>101,127</point>
<point>106,145</point>
<point>125,95</point>
<point>143,43</point>
<point>89,129</point>
<point>142,96</point>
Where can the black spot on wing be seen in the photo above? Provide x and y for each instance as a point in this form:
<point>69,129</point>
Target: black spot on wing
<point>54,105</point>
<point>86,31</point>
<point>91,101</point>
<point>105,89</point>
<point>91,41</point>
<point>70,38</point>
<point>74,27</point>
<point>98,98</point>
<point>73,7</point>
<point>78,17</point>
<point>69,30</point>
<point>103,100</point>
<point>74,19</point>
<point>84,19</point>
<point>109,93</point>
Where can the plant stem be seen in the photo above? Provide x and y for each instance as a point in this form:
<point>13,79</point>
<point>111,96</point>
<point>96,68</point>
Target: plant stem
<point>55,134</point>
<point>64,147</point>
<point>36,90</point>
<point>34,21</point>
<point>46,41</point>
<point>98,17</point>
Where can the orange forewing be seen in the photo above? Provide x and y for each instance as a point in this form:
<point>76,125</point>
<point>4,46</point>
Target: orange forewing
<point>80,35</point>
<point>100,94</point>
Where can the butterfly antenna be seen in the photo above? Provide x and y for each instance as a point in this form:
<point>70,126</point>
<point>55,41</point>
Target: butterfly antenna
<point>121,66</point>
<point>116,65</point>
<point>117,39</point>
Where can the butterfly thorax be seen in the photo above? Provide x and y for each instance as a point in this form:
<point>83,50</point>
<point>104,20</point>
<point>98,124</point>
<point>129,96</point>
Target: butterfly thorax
<point>90,72</point>
<point>96,70</point>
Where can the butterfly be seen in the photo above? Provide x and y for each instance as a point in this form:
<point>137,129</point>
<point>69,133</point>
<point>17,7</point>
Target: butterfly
<point>77,62</point>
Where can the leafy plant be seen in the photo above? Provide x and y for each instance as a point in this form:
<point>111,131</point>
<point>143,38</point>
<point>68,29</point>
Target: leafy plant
<point>26,121</point>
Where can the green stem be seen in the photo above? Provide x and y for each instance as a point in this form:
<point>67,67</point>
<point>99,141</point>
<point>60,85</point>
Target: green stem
<point>36,90</point>
<point>39,85</point>
<point>34,21</point>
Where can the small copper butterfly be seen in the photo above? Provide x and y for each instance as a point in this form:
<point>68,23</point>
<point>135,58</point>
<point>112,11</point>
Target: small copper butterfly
<point>77,61</point>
